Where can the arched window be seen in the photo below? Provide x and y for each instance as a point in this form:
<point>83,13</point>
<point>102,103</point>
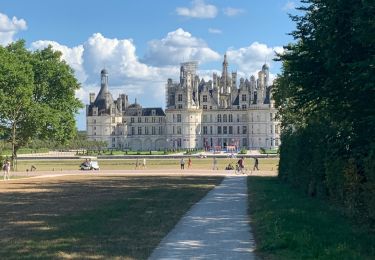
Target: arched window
<point>224,118</point>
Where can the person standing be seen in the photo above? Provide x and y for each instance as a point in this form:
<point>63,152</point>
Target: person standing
<point>189,163</point>
<point>6,169</point>
<point>214,164</point>
<point>182,163</point>
<point>136,164</point>
<point>144,163</point>
<point>256,163</point>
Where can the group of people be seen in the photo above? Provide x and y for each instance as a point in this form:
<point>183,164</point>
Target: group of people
<point>138,164</point>
<point>182,163</point>
<point>241,164</point>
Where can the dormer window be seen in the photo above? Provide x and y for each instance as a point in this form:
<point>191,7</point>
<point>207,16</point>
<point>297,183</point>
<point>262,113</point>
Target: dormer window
<point>153,112</point>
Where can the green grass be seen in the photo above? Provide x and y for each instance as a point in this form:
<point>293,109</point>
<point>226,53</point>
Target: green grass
<point>129,164</point>
<point>94,217</point>
<point>288,225</point>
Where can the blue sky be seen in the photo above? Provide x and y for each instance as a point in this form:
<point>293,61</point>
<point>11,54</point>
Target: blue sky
<point>141,43</point>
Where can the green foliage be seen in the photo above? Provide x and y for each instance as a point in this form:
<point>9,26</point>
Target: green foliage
<point>325,97</point>
<point>243,151</point>
<point>37,96</point>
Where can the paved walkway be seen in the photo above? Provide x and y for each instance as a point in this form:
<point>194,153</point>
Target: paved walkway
<point>217,227</point>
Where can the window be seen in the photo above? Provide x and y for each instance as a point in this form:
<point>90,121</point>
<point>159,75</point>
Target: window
<point>230,130</point>
<point>238,118</point>
<point>113,119</point>
<point>160,119</point>
<point>219,118</point>
<point>146,130</point>
<point>153,112</point>
<point>132,120</point>
<point>230,118</point>
<point>224,118</point>
<point>243,97</point>
<point>271,129</point>
<point>225,130</point>
<point>243,106</point>
<point>139,119</point>
<point>179,130</point>
<point>205,107</point>
<point>179,106</point>
<point>94,121</point>
<point>205,119</point>
<point>276,142</point>
<point>160,130</point>
<point>153,119</point>
<point>179,97</point>
<point>271,117</point>
<point>244,142</point>
<point>139,130</point>
<point>178,118</point>
<point>94,127</point>
<point>153,130</point>
<point>219,130</point>
<point>133,131</point>
<point>204,98</point>
<point>276,129</point>
<point>205,130</point>
<point>146,119</point>
<point>238,130</point>
<point>210,129</point>
<point>244,129</point>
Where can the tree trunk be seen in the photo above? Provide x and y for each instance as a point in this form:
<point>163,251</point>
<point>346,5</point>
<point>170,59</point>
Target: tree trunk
<point>14,147</point>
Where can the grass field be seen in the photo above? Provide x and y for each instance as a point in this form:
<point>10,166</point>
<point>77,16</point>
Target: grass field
<point>266,164</point>
<point>290,226</point>
<point>93,217</point>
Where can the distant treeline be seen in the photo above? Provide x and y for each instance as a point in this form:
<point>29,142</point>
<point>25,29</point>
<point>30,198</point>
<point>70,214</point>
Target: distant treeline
<point>326,98</point>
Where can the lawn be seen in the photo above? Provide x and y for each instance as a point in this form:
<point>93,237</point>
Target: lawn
<point>288,225</point>
<point>267,164</point>
<point>93,217</point>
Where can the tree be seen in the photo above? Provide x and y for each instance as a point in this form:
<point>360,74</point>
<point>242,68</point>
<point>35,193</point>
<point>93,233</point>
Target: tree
<point>37,96</point>
<point>325,95</point>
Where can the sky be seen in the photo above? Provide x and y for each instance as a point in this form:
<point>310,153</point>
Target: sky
<point>142,43</point>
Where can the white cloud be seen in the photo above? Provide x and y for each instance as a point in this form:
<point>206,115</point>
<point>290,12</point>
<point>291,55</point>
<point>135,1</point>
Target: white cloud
<point>9,27</point>
<point>230,11</point>
<point>179,46</point>
<point>214,31</point>
<point>249,60</point>
<point>290,5</point>
<point>73,56</point>
<point>199,9</point>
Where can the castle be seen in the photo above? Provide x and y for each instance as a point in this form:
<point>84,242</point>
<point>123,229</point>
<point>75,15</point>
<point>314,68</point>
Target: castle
<point>211,115</point>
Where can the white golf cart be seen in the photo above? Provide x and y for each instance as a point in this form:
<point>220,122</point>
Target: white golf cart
<point>89,163</point>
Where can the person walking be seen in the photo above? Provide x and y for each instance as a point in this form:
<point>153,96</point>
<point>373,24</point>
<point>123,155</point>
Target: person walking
<point>256,163</point>
<point>189,163</point>
<point>6,169</point>
<point>214,164</point>
<point>182,163</point>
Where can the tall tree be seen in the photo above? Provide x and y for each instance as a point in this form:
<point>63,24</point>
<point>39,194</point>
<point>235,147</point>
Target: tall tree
<point>37,95</point>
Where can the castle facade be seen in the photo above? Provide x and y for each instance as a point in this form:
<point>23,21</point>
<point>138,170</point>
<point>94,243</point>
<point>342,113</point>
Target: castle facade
<point>211,115</point>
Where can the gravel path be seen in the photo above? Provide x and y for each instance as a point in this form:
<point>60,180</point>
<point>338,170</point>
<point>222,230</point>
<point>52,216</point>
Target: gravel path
<point>217,227</point>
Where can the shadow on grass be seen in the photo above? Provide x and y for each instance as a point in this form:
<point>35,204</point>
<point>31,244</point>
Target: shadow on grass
<point>94,217</point>
<point>289,225</point>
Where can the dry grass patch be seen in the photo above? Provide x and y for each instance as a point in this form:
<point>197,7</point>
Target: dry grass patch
<point>93,216</point>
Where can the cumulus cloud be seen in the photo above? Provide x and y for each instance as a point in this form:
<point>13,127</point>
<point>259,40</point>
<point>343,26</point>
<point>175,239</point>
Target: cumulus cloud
<point>290,5</point>
<point>214,31</point>
<point>249,60</point>
<point>230,11</point>
<point>176,47</point>
<point>199,9</point>
<point>9,27</point>
<point>72,56</point>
